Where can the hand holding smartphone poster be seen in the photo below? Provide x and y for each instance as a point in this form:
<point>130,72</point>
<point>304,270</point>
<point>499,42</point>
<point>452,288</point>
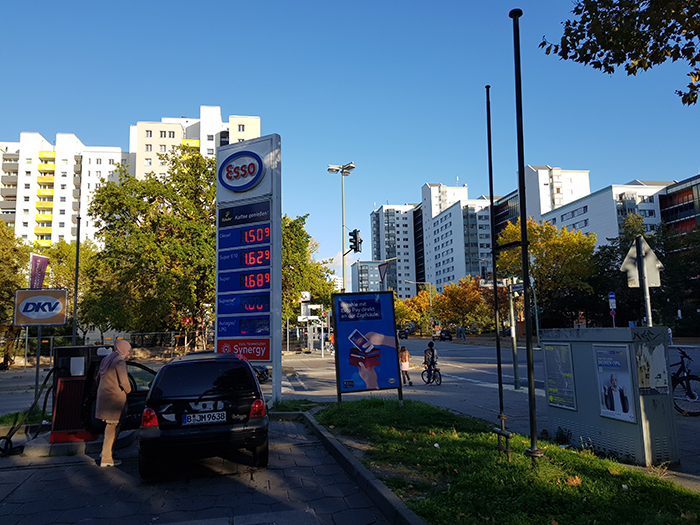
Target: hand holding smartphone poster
<point>366,354</point>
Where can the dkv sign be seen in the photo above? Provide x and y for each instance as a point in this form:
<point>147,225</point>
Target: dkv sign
<point>40,307</point>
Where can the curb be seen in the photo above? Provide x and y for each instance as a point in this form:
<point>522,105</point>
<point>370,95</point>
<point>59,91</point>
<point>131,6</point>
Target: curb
<point>391,506</point>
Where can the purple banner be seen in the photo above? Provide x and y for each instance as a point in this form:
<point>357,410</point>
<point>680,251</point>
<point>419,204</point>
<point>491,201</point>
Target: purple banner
<point>38,265</point>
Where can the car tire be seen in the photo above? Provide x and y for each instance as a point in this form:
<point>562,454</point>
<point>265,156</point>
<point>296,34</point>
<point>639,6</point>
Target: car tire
<point>148,468</point>
<point>261,454</point>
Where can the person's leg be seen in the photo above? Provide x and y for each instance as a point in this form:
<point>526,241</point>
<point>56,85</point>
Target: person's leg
<point>108,443</point>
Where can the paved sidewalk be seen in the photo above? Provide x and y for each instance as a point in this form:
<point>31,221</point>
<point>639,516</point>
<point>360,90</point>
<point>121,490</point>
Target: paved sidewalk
<point>304,484</point>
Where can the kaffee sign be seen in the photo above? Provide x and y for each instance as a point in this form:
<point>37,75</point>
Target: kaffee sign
<point>45,307</point>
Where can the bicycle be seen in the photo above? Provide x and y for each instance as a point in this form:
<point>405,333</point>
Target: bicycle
<point>686,388</point>
<point>435,377</point>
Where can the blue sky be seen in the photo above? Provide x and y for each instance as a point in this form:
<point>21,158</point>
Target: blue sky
<point>395,86</point>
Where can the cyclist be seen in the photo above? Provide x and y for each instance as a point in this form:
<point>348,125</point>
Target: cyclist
<point>430,360</point>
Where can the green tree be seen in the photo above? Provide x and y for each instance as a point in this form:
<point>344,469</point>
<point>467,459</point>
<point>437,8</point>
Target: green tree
<point>404,312</point>
<point>14,264</point>
<point>422,303</point>
<point>463,304</point>
<point>561,264</point>
<point>159,242</point>
<point>634,34</point>
<point>300,271</point>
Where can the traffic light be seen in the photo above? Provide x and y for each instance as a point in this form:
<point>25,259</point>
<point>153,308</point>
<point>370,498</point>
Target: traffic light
<point>355,241</point>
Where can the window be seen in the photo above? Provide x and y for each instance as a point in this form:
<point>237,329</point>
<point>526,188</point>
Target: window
<point>163,148</point>
<point>210,137</point>
<point>111,162</point>
<point>26,186</point>
<point>26,199</point>
<point>63,186</point>
<point>29,161</point>
<point>149,133</point>
<point>61,224</point>
<point>64,174</point>
<point>63,199</point>
<point>162,134</point>
<point>27,173</point>
<point>210,151</point>
<point>148,162</point>
<point>171,134</point>
<point>98,161</point>
<point>25,224</point>
<point>241,140</point>
<point>97,173</point>
<point>241,127</point>
<point>61,212</point>
<point>26,212</point>
<point>149,147</point>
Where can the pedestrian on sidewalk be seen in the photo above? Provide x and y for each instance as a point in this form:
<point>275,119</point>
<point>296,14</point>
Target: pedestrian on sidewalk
<point>405,365</point>
<point>111,397</point>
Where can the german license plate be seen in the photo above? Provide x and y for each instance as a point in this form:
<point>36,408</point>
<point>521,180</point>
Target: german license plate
<point>203,417</point>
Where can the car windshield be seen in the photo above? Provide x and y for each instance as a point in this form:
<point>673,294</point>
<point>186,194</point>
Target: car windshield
<point>202,379</point>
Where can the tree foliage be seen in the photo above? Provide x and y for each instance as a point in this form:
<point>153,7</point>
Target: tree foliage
<point>634,34</point>
<point>561,264</point>
<point>404,312</point>
<point>159,238</point>
<point>300,272</point>
<point>462,304</point>
<point>14,263</point>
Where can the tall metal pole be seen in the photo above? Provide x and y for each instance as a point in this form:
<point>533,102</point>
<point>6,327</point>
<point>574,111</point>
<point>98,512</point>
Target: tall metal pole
<point>534,451</point>
<point>342,185</point>
<point>496,315</point>
<point>75,289</point>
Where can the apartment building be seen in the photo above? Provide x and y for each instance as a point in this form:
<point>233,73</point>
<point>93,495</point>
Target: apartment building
<point>604,211</point>
<point>149,139</point>
<point>46,186</point>
<point>680,204</point>
<point>365,276</point>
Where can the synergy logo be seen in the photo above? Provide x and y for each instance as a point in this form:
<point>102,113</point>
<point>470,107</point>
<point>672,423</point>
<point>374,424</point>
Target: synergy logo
<point>40,307</point>
<point>241,171</point>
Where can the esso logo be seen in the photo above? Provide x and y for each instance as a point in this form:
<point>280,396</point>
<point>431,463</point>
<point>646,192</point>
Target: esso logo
<point>241,171</point>
<point>40,307</point>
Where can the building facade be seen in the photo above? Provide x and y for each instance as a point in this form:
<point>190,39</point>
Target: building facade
<point>365,276</point>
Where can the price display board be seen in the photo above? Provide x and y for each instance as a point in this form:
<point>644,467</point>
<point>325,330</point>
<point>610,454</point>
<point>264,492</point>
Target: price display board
<point>249,249</point>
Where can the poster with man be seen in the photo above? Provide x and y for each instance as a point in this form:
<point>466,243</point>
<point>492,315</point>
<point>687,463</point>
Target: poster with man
<point>614,382</point>
<point>365,340</point>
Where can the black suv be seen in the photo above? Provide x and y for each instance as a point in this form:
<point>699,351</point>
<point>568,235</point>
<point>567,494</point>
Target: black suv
<point>201,405</point>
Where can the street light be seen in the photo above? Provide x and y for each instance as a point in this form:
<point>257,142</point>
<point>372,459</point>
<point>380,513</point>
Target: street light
<point>344,170</point>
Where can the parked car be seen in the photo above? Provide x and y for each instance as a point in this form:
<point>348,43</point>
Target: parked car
<point>403,334</point>
<point>442,335</point>
<point>202,404</point>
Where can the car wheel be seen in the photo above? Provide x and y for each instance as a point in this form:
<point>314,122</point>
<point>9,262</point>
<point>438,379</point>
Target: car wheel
<point>148,468</point>
<point>261,454</point>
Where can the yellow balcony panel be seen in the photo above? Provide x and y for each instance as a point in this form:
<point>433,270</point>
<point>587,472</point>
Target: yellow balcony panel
<point>45,179</point>
<point>47,167</point>
<point>44,205</point>
<point>42,230</point>
<point>190,143</point>
<point>43,217</point>
<point>44,193</point>
<point>43,243</point>
<point>47,154</point>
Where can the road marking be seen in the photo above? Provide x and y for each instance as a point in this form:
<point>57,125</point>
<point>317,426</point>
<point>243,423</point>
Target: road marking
<point>538,391</point>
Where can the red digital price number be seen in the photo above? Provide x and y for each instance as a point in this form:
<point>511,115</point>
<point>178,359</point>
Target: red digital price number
<point>256,257</point>
<point>255,280</point>
<point>236,172</point>
<point>255,235</point>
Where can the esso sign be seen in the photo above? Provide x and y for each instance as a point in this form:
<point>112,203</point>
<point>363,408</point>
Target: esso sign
<point>241,171</point>
<point>40,307</point>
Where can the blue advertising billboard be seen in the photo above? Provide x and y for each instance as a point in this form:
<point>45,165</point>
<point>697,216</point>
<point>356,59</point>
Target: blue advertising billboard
<point>365,341</point>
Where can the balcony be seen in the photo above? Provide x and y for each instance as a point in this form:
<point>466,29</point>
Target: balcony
<point>74,218</point>
<point>190,143</point>
<point>43,217</point>
<point>43,243</point>
<point>77,168</point>
<point>74,232</point>
<point>78,158</point>
<point>77,181</point>
<point>45,179</point>
<point>47,155</point>
<point>8,192</point>
<point>76,193</point>
<point>44,167</point>
<point>44,192</point>
<point>42,230</point>
<point>9,179</point>
<point>10,166</point>
<point>76,205</point>
<point>9,218</point>
<point>44,205</point>
<point>8,205</point>
<point>10,157</point>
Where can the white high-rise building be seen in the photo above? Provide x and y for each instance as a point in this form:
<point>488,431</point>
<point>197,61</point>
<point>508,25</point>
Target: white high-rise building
<point>365,276</point>
<point>206,133</point>
<point>550,188</point>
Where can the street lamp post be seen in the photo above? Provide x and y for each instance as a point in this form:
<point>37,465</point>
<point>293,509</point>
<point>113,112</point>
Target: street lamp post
<point>344,170</point>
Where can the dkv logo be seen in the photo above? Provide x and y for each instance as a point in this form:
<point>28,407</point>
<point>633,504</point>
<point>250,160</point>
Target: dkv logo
<point>40,307</point>
<point>241,171</point>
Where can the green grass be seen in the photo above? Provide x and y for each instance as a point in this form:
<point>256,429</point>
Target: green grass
<point>33,417</point>
<point>465,480</point>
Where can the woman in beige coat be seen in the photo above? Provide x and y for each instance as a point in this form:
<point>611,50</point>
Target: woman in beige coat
<point>111,397</point>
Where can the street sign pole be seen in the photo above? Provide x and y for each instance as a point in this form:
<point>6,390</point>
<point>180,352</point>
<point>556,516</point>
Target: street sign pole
<point>613,305</point>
